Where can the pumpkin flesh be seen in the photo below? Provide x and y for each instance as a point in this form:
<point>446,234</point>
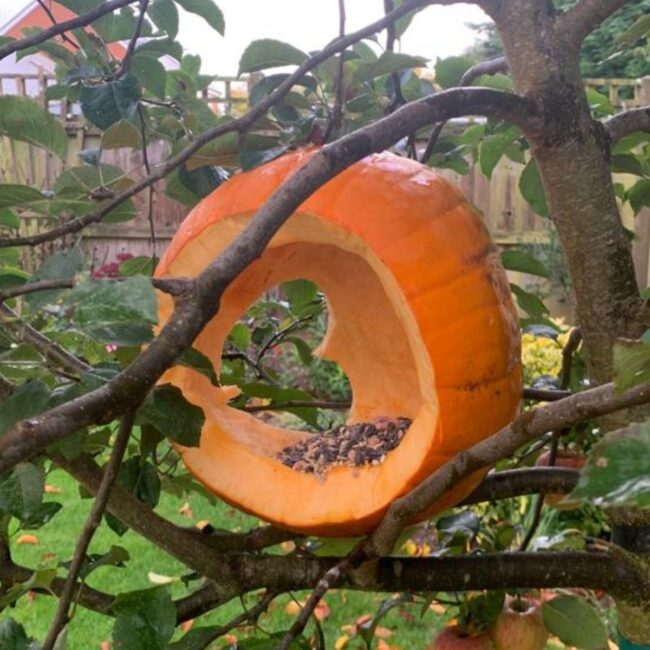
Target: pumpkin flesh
<point>421,321</point>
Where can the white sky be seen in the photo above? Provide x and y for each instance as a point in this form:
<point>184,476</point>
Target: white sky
<point>307,24</point>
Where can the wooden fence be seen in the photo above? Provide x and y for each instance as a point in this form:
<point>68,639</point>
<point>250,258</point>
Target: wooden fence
<point>506,213</point>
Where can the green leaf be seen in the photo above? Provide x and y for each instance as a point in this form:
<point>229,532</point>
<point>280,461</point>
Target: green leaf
<point>28,400</point>
<point>466,523</point>
<point>269,53</point>
<point>627,164</point>
<point>251,158</point>
<point>173,416</point>
<point>531,188</point>
<point>522,262</point>
<point>144,620</point>
<point>196,360</point>
<point>119,25</point>
<point>164,15</point>
<point>208,10</point>
<point>450,70</point>
<point>140,265</point>
<point>202,181</point>
<point>115,556</point>
<point>12,277</point>
<point>107,103</point>
<point>151,74</point>
<point>41,515</point>
<point>240,337</point>
<point>141,479</point>
<point>303,350</point>
<point>60,266</point>
<point>22,118</point>
<point>530,303</point>
<point>121,134</point>
<point>631,363</point>
<point>494,146</point>
<point>639,195</point>
<point>300,293</point>
<point>122,313</point>
<point>638,29</point>
<point>21,492</point>
<point>387,63</point>
<point>161,46</point>
<point>575,622</point>
<point>616,473</point>
<point>12,195</point>
<point>9,219</point>
<point>14,637</point>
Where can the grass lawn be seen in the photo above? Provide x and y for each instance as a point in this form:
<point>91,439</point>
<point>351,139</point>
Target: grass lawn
<point>403,626</point>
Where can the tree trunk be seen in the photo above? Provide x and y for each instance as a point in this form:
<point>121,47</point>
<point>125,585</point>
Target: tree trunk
<point>572,154</point>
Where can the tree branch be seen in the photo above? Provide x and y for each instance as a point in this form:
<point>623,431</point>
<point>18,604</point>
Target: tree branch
<point>32,287</point>
<point>545,395</point>
<point>125,65</point>
<point>49,349</point>
<point>518,482</point>
<point>193,312</point>
<point>586,15</point>
<point>92,523</point>
<point>239,125</point>
<point>528,426</point>
<point>66,26</point>
<point>622,124</point>
<point>491,67</point>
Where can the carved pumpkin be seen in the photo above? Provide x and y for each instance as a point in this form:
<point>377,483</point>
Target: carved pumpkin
<point>421,320</point>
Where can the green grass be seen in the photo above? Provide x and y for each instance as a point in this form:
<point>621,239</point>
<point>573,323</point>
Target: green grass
<point>88,629</point>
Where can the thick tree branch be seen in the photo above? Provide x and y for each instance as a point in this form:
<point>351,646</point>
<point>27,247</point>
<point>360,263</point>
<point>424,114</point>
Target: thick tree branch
<point>518,482</point>
<point>66,26</point>
<point>586,15</point>
<point>127,390</point>
<point>239,125</point>
<point>622,124</point>
<point>92,523</point>
<point>528,426</point>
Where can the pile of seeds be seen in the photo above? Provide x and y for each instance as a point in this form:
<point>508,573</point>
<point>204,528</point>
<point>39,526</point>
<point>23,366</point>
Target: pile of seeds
<point>361,443</point>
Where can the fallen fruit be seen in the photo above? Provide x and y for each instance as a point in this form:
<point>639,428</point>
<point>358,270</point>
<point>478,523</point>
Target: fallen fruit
<point>519,626</point>
<point>453,638</point>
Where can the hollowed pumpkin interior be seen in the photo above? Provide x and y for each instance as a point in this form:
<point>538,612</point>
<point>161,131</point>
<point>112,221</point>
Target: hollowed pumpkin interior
<point>373,337</point>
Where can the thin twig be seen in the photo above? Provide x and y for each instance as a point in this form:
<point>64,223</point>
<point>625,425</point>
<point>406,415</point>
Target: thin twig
<point>125,65</point>
<point>32,287</point>
<point>339,89</point>
<point>239,125</point>
<point>330,579</point>
<point>491,67</point>
<point>248,616</point>
<point>60,28</point>
<point>571,347</point>
<point>398,98</point>
<point>53,20</point>
<point>61,617</point>
<point>48,348</point>
<point>147,167</point>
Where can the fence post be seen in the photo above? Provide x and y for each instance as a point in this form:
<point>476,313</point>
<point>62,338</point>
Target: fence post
<point>641,245</point>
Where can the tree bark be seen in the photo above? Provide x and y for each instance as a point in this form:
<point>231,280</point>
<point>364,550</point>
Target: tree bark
<point>572,154</point>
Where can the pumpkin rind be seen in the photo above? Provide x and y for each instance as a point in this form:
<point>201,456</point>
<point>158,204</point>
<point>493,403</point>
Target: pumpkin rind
<point>421,319</point>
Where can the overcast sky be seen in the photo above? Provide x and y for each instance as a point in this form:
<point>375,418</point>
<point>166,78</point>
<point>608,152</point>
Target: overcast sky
<point>307,24</point>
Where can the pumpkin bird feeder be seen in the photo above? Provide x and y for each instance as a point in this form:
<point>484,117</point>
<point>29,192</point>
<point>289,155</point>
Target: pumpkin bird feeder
<point>421,320</point>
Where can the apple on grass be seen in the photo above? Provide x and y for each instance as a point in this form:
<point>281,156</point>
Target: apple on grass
<point>519,626</point>
<point>454,638</point>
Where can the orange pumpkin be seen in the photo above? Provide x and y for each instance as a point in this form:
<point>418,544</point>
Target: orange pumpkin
<point>421,320</point>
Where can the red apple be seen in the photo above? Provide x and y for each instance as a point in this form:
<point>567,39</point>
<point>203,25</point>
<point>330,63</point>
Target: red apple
<point>565,458</point>
<point>519,626</point>
<point>453,638</point>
